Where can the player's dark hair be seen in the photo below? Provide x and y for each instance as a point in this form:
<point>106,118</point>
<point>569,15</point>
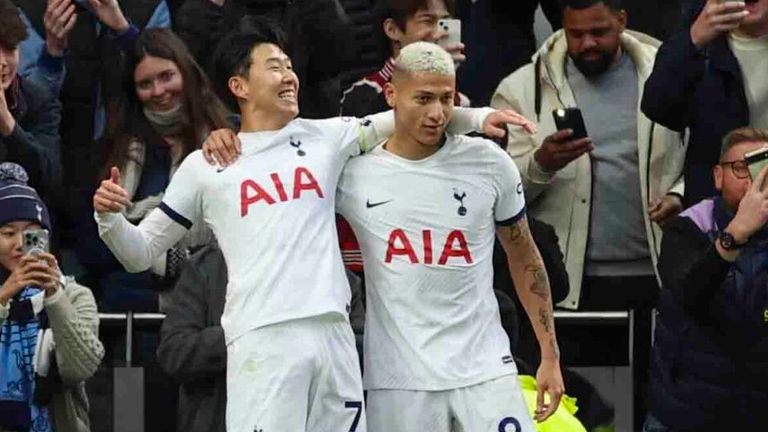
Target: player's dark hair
<point>232,56</point>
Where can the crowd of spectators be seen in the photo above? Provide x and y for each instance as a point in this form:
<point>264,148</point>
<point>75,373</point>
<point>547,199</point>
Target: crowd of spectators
<point>654,211</point>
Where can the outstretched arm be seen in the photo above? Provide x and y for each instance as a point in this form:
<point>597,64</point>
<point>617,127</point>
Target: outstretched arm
<point>532,286</point>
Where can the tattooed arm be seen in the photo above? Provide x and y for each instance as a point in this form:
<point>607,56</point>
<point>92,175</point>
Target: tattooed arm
<point>532,286</point>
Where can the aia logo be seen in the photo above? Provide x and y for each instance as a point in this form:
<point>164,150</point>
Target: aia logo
<point>460,198</point>
<point>252,192</point>
<point>297,145</point>
<point>454,246</point>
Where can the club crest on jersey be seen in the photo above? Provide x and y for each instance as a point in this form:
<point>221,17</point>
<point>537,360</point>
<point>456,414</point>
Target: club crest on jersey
<point>460,198</point>
<point>251,192</point>
<point>297,145</point>
<point>454,246</point>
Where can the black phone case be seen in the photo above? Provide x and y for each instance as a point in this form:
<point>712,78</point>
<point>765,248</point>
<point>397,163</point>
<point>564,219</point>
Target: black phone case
<point>571,119</point>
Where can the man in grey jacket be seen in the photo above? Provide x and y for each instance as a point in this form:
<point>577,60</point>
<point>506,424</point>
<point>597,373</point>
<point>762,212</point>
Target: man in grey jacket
<point>606,195</point>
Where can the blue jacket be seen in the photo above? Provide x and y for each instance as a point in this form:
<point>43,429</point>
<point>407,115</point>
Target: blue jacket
<point>701,90</point>
<point>710,359</point>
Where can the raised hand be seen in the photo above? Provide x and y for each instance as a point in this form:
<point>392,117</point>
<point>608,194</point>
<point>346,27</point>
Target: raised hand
<point>111,197</point>
<point>59,20</point>
<point>718,17</point>
<point>109,13</point>
<point>558,150</point>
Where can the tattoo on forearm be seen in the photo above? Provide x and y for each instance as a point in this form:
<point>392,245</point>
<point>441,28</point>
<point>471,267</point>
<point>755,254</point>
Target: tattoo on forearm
<point>539,282</point>
<point>545,318</point>
<point>515,232</point>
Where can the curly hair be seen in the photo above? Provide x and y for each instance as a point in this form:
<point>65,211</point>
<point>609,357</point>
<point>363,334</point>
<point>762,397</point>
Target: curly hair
<point>12,28</point>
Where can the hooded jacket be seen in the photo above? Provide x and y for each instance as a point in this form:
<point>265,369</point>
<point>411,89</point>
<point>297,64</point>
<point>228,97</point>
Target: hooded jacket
<point>564,199</point>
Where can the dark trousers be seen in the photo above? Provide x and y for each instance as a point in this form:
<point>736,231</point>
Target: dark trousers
<point>638,294</point>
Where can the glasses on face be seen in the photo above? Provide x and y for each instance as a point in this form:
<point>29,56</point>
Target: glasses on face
<point>739,167</point>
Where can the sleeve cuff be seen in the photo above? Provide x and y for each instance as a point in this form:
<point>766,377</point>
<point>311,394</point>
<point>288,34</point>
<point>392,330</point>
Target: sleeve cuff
<point>126,39</point>
<point>54,299</point>
<point>537,174</point>
<point>51,63</point>
<point>514,219</point>
<point>4,311</point>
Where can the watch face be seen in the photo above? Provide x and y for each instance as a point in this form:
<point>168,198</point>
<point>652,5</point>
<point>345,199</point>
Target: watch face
<point>727,241</point>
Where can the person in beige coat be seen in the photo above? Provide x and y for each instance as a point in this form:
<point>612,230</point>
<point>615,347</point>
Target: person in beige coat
<point>606,195</point>
<point>49,343</point>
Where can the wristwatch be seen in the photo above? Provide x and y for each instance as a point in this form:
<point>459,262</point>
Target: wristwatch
<point>728,242</point>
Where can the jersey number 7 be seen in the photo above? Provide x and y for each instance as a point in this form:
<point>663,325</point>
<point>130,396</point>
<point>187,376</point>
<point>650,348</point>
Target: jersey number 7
<point>359,407</point>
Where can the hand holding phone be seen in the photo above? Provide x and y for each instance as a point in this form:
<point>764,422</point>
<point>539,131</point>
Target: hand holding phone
<point>451,40</point>
<point>756,160</point>
<point>35,242</point>
<point>570,118</point>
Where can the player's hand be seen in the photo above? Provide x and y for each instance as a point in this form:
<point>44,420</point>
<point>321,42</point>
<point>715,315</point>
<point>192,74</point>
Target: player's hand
<point>495,124</point>
<point>718,17</point>
<point>664,208</point>
<point>549,381</point>
<point>558,150</point>
<point>109,13</point>
<point>222,147</point>
<point>31,271</point>
<point>59,20</point>
<point>111,197</point>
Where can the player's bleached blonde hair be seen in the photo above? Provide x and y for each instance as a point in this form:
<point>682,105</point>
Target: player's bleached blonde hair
<point>425,57</point>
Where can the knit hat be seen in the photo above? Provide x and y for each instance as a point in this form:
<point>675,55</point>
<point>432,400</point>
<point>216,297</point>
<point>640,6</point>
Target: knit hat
<point>18,201</point>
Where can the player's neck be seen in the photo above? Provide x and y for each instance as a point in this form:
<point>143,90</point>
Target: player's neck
<point>259,121</point>
<point>408,148</point>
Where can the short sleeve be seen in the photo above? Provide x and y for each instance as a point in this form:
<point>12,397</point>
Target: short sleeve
<point>182,200</point>
<point>510,199</point>
<point>354,136</point>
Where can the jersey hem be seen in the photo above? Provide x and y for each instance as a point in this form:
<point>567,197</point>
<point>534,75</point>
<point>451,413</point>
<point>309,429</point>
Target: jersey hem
<point>447,386</point>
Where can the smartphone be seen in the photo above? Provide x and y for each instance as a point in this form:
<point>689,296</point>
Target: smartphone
<point>756,161</point>
<point>35,242</point>
<point>453,29</point>
<point>570,118</point>
<point>82,6</point>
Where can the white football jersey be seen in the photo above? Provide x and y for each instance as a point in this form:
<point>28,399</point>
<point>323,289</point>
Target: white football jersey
<point>426,230</point>
<point>273,214</point>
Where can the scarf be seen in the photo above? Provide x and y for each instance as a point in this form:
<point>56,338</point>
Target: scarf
<point>25,344</point>
<point>167,123</point>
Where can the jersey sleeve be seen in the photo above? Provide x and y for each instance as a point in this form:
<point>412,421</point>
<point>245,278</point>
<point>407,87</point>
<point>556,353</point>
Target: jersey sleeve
<point>182,200</point>
<point>360,135</point>
<point>510,200</point>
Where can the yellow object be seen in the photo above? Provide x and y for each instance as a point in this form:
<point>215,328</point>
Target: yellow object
<point>563,420</point>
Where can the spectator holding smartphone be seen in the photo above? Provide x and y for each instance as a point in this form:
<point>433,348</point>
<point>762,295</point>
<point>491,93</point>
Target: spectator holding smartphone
<point>606,195</point>
<point>710,79</point>
<point>49,343</point>
<point>710,359</point>
<point>401,22</point>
